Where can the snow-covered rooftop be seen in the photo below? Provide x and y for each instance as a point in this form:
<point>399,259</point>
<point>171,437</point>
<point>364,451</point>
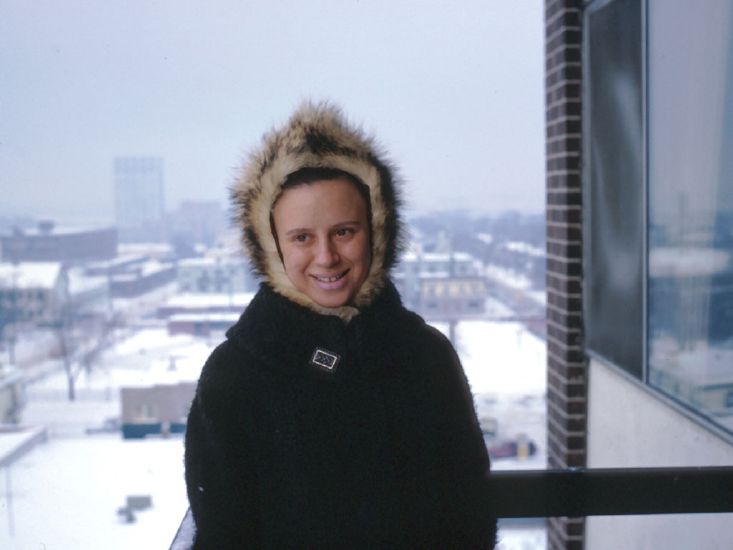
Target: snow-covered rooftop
<point>210,261</point>
<point>204,317</point>
<point>436,257</point>
<point>27,275</point>
<point>62,230</point>
<point>525,248</point>
<point>80,282</point>
<point>507,277</point>
<point>145,249</point>
<point>203,300</point>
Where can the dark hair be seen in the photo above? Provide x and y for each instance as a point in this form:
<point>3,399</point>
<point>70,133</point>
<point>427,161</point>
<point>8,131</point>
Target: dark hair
<point>308,176</point>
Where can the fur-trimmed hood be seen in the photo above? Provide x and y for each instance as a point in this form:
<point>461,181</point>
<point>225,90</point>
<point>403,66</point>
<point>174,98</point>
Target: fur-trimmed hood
<point>317,136</point>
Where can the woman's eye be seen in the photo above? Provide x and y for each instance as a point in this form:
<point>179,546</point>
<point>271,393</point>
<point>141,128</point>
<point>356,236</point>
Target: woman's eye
<point>301,238</point>
<point>344,232</point>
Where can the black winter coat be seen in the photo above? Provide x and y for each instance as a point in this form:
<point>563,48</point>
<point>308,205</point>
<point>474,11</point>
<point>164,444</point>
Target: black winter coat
<point>381,451</point>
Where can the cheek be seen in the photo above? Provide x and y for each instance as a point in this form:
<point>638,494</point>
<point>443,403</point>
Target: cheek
<point>292,258</point>
<point>361,252</point>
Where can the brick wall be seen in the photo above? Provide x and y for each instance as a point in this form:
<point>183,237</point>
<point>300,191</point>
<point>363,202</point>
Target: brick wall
<point>566,361</point>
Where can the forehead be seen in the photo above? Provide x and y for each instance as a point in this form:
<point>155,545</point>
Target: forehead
<point>321,200</point>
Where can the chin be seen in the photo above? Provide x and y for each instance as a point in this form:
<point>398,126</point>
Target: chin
<point>330,300</point>
<point>330,303</point>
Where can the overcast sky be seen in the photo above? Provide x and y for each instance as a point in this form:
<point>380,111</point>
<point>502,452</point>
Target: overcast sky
<point>453,90</point>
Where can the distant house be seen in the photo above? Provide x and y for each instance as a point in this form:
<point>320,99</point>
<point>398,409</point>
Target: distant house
<point>214,275</point>
<point>441,285</point>
<point>204,304</point>
<point>158,409</point>
<point>452,296</point>
<point>12,394</point>
<point>32,292</point>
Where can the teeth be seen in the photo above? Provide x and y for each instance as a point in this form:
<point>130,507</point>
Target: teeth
<point>329,279</point>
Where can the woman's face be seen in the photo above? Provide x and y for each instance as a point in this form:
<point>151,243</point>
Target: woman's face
<point>323,233</point>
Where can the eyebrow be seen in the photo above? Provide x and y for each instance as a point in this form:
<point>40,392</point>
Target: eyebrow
<point>298,230</point>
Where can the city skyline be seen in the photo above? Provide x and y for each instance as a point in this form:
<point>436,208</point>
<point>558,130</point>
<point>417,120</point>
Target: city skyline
<point>453,93</point>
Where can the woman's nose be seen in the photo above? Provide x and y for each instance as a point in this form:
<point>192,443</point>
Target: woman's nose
<point>327,255</point>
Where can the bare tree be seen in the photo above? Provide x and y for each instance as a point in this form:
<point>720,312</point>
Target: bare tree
<point>81,337</point>
<point>68,344</point>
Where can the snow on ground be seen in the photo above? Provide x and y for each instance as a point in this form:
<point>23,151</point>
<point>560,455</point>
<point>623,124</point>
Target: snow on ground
<point>66,493</point>
<point>147,357</point>
<point>30,346</point>
<point>500,358</point>
<point>523,538</point>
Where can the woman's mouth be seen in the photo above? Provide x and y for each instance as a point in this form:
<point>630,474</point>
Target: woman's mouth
<point>330,282</point>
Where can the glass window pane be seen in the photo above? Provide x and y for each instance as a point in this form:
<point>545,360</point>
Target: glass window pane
<point>691,204</point>
<point>613,209</point>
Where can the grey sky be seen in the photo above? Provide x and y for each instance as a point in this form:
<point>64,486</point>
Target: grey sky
<point>453,90</point>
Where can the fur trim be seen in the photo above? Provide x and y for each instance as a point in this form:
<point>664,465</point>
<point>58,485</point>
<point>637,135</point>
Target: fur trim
<point>317,136</point>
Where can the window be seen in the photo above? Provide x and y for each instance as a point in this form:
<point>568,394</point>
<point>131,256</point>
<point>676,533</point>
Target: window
<point>614,197</point>
<point>659,238</point>
<point>690,183</point>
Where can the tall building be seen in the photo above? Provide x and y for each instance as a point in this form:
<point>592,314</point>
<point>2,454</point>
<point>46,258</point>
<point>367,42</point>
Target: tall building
<point>196,222</point>
<point>639,125</point>
<point>139,198</point>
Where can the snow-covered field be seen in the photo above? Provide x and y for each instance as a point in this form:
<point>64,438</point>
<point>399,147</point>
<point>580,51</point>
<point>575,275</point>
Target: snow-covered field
<point>65,493</point>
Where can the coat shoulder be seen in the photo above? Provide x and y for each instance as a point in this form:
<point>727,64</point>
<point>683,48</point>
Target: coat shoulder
<point>426,336</point>
<point>223,377</point>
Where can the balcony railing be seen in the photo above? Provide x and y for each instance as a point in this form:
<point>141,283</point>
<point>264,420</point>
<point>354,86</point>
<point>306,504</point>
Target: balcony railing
<point>590,492</point>
<point>610,492</point>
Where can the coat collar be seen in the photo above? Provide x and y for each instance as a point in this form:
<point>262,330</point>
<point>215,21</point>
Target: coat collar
<point>284,335</point>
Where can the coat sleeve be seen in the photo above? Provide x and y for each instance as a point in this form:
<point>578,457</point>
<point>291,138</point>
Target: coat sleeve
<point>464,450</point>
<point>219,481</point>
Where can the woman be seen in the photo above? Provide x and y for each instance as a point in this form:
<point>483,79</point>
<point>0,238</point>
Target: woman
<point>331,417</point>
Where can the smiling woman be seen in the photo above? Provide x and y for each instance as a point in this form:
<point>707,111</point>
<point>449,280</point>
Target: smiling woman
<point>322,232</point>
<point>331,417</point>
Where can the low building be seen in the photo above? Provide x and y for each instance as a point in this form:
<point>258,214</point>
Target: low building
<point>89,295</point>
<point>12,394</point>
<point>163,252</point>
<point>452,297</point>
<point>204,304</point>
<point>441,285</point>
<point>31,292</point>
<point>201,324</point>
<point>129,278</point>
<point>158,409</point>
<point>144,278</point>
<point>69,245</point>
<point>215,275</point>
